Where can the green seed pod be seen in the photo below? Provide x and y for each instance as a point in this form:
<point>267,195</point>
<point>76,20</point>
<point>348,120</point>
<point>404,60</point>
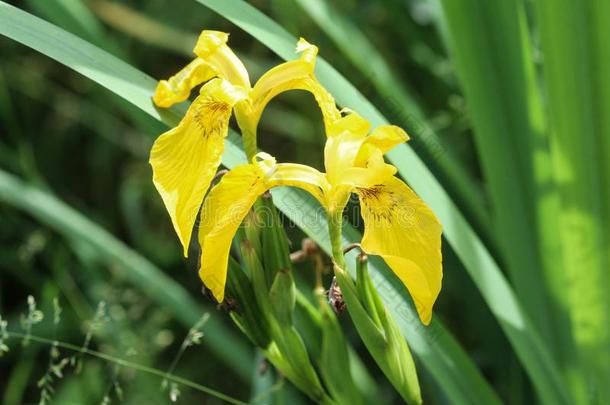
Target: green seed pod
<point>335,363</point>
<point>246,312</point>
<point>287,350</point>
<point>274,242</point>
<point>251,229</point>
<point>379,332</point>
<point>283,297</point>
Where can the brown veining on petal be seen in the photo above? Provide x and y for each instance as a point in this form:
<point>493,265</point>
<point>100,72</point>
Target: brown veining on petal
<point>211,116</point>
<point>380,202</point>
<point>383,204</point>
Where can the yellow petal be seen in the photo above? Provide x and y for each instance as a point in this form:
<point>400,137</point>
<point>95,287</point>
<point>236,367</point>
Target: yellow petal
<point>308,51</point>
<point>301,176</point>
<point>213,49</point>
<point>223,211</point>
<point>292,75</point>
<point>345,137</point>
<point>354,159</point>
<point>383,138</point>
<point>405,232</point>
<point>185,158</point>
<point>293,175</point>
<point>214,58</point>
<point>229,202</point>
<point>376,171</point>
<point>274,80</point>
<point>325,100</point>
<point>352,122</point>
<point>178,87</point>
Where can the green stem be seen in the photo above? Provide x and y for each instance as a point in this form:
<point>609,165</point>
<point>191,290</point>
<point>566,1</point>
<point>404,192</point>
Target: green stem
<point>335,226</point>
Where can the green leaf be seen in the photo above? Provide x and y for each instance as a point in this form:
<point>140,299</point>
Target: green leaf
<point>507,117</point>
<point>577,86</point>
<point>283,296</point>
<point>275,251</point>
<point>248,315</point>
<point>491,49</point>
<point>334,359</point>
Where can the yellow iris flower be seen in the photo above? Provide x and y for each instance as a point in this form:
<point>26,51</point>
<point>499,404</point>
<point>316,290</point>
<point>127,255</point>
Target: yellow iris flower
<point>399,227</point>
<point>185,158</point>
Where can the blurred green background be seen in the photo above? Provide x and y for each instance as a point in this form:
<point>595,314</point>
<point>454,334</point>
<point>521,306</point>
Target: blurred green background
<point>80,219</point>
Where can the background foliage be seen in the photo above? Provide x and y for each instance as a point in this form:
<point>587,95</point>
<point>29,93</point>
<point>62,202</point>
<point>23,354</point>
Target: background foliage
<point>506,107</point>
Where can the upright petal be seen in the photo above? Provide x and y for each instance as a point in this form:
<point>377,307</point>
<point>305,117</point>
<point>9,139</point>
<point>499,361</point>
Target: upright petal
<point>275,79</point>
<point>374,171</point>
<point>213,49</point>
<point>405,232</point>
<point>351,122</point>
<point>345,138</point>
<point>178,87</point>
<point>325,100</point>
<point>185,158</point>
<point>383,138</point>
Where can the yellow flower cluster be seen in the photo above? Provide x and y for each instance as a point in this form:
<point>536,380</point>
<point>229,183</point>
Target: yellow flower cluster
<point>399,227</point>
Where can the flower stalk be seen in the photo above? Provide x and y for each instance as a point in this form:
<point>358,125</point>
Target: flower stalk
<point>335,232</point>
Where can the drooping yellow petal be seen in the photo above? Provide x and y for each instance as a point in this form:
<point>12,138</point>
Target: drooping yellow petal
<point>402,229</point>
<point>213,49</point>
<point>185,158</point>
<point>214,58</point>
<point>223,211</point>
<point>178,87</point>
<point>229,202</point>
<point>292,75</point>
<point>274,79</point>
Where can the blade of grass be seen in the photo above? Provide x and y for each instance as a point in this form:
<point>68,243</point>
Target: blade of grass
<point>140,26</point>
<point>491,50</point>
<point>74,16</point>
<point>576,65</point>
<point>158,286</point>
<point>477,260</point>
<point>106,125</point>
<point>506,114</point>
